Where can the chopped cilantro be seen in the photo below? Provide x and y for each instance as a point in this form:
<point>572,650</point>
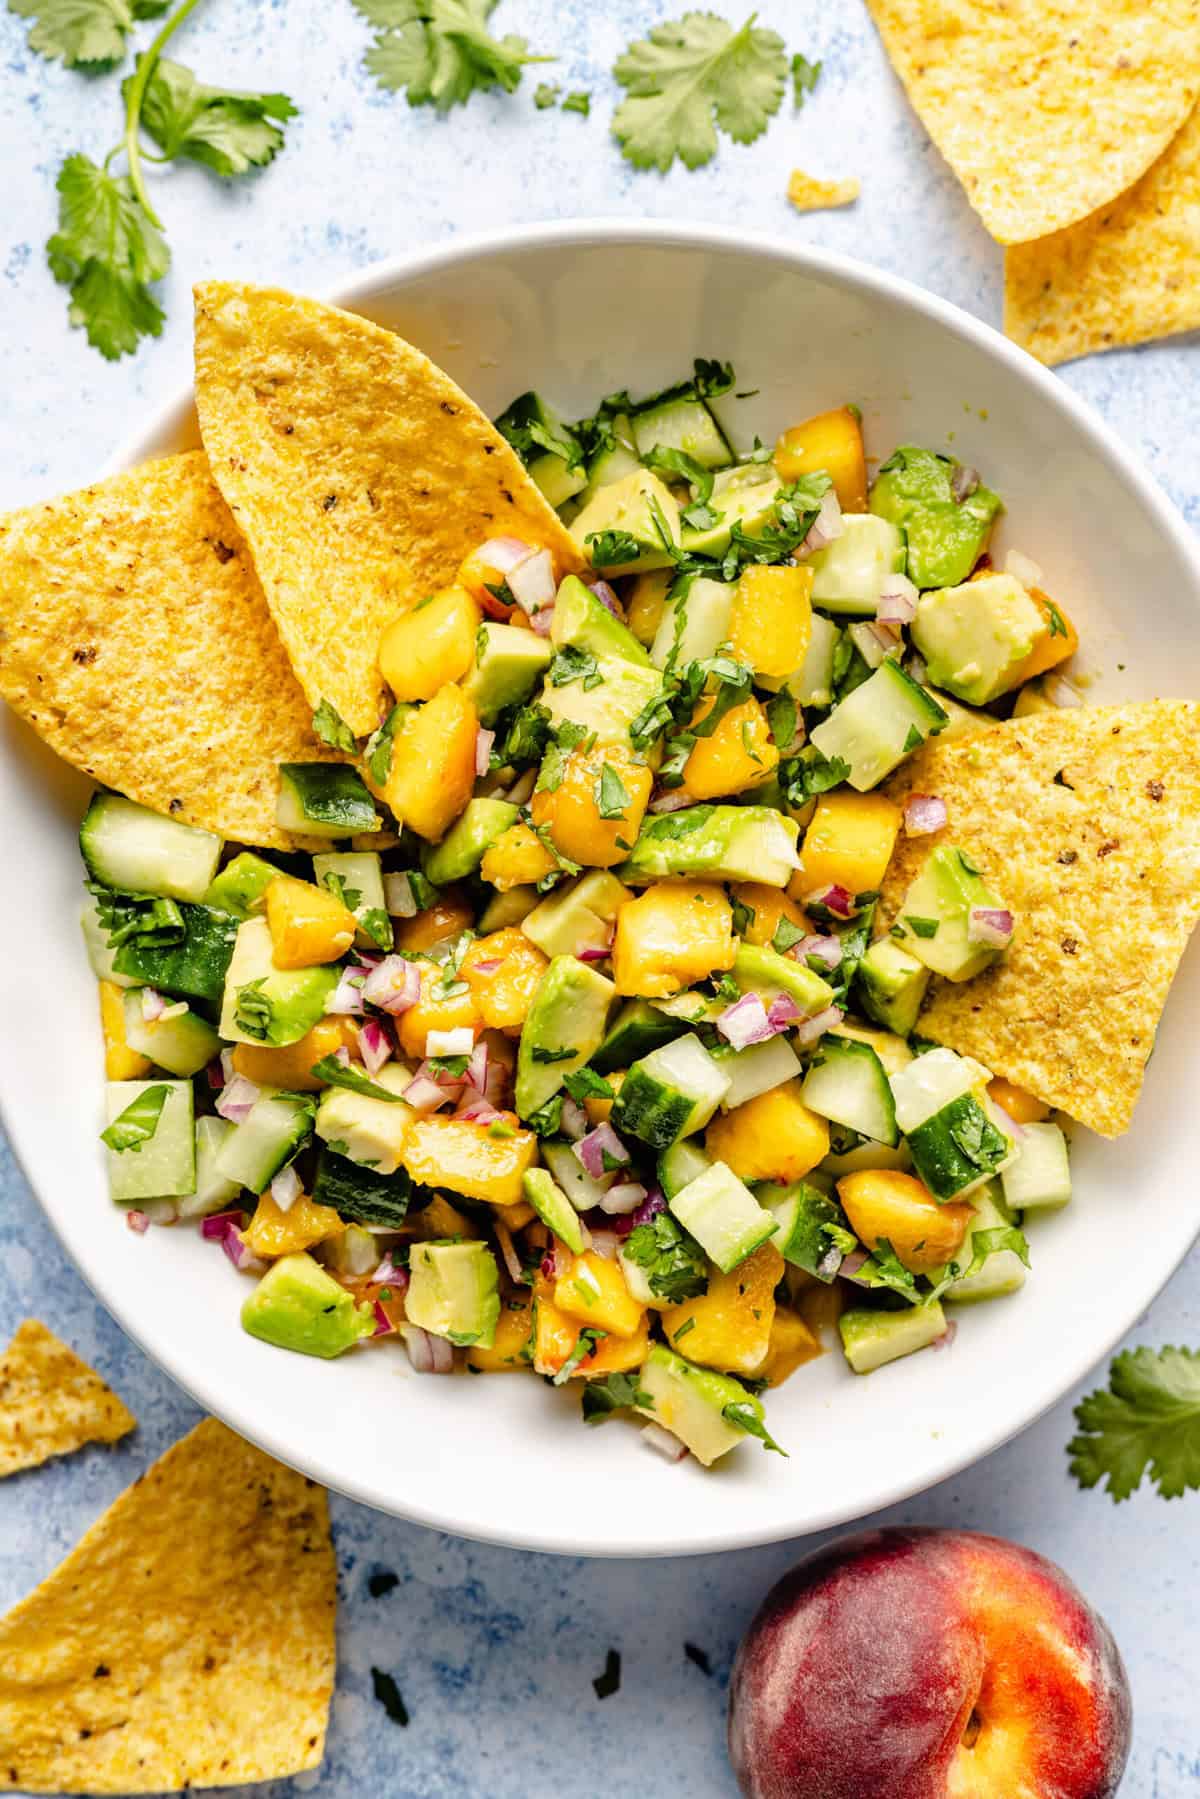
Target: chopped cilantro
<point>612,796</point>
<point>585,1083</point>
<point>747,1419</point>
<point>255,1010</point>
<point>615,1393</point>
<point>922,927</point>
<point>573,664</point>
<point>579,101</point>
<point>805,76</point>
<point>138,1122</point>
<point>336,1074</point>
<point>584,1345</point>
<point>786,934</point>
<point>329,725</point>
<point>674,1263</point>
<point>608,548</point>
<point>690,76</point>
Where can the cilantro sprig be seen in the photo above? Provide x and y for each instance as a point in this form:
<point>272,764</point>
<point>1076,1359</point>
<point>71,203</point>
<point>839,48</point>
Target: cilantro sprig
<point>84,34</point>
<point>440,52</point>
<point>688,79</point>
<point>1146,1420</point>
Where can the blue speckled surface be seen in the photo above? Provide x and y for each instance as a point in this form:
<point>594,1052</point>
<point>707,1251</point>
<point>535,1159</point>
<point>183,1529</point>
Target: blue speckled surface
<point>495,1651</point>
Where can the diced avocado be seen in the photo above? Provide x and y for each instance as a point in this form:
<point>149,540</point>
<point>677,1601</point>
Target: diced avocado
<point>870,1339</point>
<point>95,940</point>
<point>934,920</point>
<point>756,1069</point>
<point>585,623</point>
<point>637,1029</point>
<point>977,638</point>
<point>694,1404</point>
<point>671,1093</point>
<point>128,846</point>
<point>509,661</point>
<point>846,1083</point>
<point>743,496</point>
<point>626,520</point>
<point>554,1208</point>
<point>563,1030</point>
<point>759,969</point>
<point>892,985</point>
<point>956,1136</point>
<point>812,682</point>
<point>814,1234</point>
<point>214,1190</point>
<point>267,1139</point>
<point>162,1166</point>
<point>682,423</point>
<point>610,705</point>
<point>241,885</point>
<point>723,1215</point>
<point>849,575</point>
<point>265,1004</point>
<point>691,1006</point>
<point>579,916</point>
<point>356,877</point>
<point>454,1291</point>
<point>506,909</point>
<point>297,1305</point>
<point>694,624</point>
<point>361,1194</point>
<point>467,841</point>
<point>615,458</point>
<point>1004,1271</point>
<point>365,1129</point>
<point>557,480</point>
<point>682,1163</point>
<point>1040,1177</point>
<point>195,968</point>
<point>721,843</point>
<point>877,724</point>
<point>946,537</point>
<point>324,799</point>
<point>548,447</point>
<point>181,1042</point>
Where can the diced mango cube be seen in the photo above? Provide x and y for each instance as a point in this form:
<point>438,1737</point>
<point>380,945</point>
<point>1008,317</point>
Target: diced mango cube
<point>770,905</point>
<point>793,1342</point>
<point>464,1156</point>
<point>848,843</point>
<point>771,619</point>
<point>449,915</point>
<point>511,1348</point>
<point>275,1232</point>
<point>420,651</point>
<point>739,754</point>
<point>440,1219</point>
<point>729,1326</point>
<point>773,1137</point>
<point>616,1355</point>
<point>292,1066</point>
<point>1059,640</point>
<point>831,441</point>
<point>1021,1106</point>
<point>554,1334</point>
<point>675,933</point>
<point>517,858</point>
<point>503,971</point>
<point>436,1010</point>
<point>593,1291</point>
<point>596,810</point>
<point>646,603</point>
<point>120,1062</point>
<point>884,1204</point>
<point>433,763</point>
<point>308,924</point>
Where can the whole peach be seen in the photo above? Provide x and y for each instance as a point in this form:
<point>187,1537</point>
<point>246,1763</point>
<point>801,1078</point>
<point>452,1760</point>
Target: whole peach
<point>928,1664</point>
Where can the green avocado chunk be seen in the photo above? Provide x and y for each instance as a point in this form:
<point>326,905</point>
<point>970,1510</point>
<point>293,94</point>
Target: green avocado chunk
<point>977,637</point>
<point>241,884</point>
<point>297,1305</point>
<point>619,528</point>
<point>454,1291</point>
<point>509,661</point>
<point>892,984</point>
<point>554,1208</point>
<point>468,840</point>
<point>577,917</point>
<point>758,969</point>
<point>563,1030</point>
<point>699,1407</point>
<point>742,496</point>
<point>605,700</point>
<point>946,537</point>
<point>721,843</point>
<point>584,623</point>
<point>934,920</point>
<point>265,1004</point>
<point>870,1339</point>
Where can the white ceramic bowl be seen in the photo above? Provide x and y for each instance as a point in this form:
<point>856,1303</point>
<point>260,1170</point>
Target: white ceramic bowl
<point>578,310</point>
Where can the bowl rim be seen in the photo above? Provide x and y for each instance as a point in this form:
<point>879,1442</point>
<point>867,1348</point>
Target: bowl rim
<point>606,231</point>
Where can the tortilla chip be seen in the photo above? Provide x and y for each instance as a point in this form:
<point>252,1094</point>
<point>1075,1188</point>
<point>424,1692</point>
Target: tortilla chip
<point>807,194</point>
<point>187,1640</point>
<point>1045,109</point>
<point>1124,276</point>
<point>51,1402</point>
<point>360,474</point>
<point>135,639</point>
<point>1086,822</point>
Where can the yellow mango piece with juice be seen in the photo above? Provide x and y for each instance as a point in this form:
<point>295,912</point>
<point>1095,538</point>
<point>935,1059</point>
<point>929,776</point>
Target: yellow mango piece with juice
<point>832,441</point>
<point>120,1062</point>
<point>309,925</point>
<point>848,843</point>
<point>420,651</point>
<point>275,1232</point>
<point>771,619</point>
<point>433,763</point>
<point>673,934</point>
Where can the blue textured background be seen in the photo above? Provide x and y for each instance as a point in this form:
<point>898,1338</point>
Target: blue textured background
<point>495,1652</point>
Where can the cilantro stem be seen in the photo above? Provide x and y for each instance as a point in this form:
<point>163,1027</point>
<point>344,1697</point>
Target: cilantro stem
<point>147,63</point>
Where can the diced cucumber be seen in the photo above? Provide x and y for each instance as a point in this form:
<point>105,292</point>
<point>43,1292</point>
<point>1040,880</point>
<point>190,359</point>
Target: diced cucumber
<point>324,799</point>
<point>847,1082</point>
<point>696,1405</point>
<point>183,1044</point>
<point>956,1136</point>
<point>214,1190</point>
<point>682,424</point>
<point>671,1093</point>
<point>356,877</point>
<point>616,457</point>
<point>194,969</point>
<point>869,647</point>
<point>638,1028</point>
<point>1039,1179</point>
<point>549,448</point>
<point>695,624</point>
<point>755,1070</point>
<point>553,1208</point>
<point>360,1194</point>
<point>872,1339</point>
<point>468,840</point>
<point>723,1215</point>
<point>289,1000</point>
<point>893,1051</point>
<point>877,725</point>
<point>583,1192</point>
<point>267,1138</point>
<point>866,1154</point>
<point>814,1234</point>
<point>812,683</point>
<point>558,482</point>
<point>127,846</point>
<point>95,941</point>
<point>849,575</point>
<point>564,1028</point>
<point>162,1166</point>
<point>932,1081</point>
<point>353,1251</point>
<point>1003,1272</point>
<point>892,985</point>
<point>241,885</point>
<point>679,1165</point>
<point>720,843</point>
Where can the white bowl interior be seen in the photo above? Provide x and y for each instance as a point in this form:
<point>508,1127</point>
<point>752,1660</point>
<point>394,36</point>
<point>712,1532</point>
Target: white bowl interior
<point>576,312</point>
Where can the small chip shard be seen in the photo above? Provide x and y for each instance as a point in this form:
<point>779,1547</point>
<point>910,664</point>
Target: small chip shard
<point>808,194</point>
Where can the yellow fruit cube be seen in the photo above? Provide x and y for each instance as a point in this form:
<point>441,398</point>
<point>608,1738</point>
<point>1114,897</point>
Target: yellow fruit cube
<point>554,1334</point>
<point>449,915</point>
<point>831,441</point>
<point>511,1346</point>
<point>433,763</point>
<point>435,643</point>
<point>740,752</point>
<point>435,1011</point>
<point>1059,640</point>
<point>440,1219</point>
<point>883,1203</point>
<point>771,620</point>
<point>773,1137</point>
<point>599,1110</point>
<point>1021,1106</point>
<point>274,1232</point>
<point>517,858</point>
<point>120,1062</point>
<point>461,1155</point>
<point>503,971</point>
<point>848,843</point>
<point>596,810</point>
<point>515,1218</point>
<point>793,1343</point>
<point>729,1327</point>
<point>769,905</point>
<point>593,1291</point>
<point>292,1066</point>
<point>675,933</point>
<point>616,1355</point>
<point>646,603</point>
<point>308,924</point>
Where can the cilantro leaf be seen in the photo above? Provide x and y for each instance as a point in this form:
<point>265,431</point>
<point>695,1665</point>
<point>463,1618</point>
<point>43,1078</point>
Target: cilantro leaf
<point>615,1393</point>
<point>88,34</point>
<point>229,132</point>
<point>586,1341</point>
<point>805,76</point>
<point>545,95</point>
<point>107,250</point>
<point>441,51</point>
<point>608,548</point>
<point>885,1269</point>
<point>690,77</point>
<point>580,101</point>
<point>746,1417</point>
<point>612,795</point>
<point>1148,1418</point>
<point>585,1083</point>
<point>329,725</point>
<point>570,663</point>
<point>674,1263</point>
<point>255,1010</point>
<point>336,1074</point>
<point>138,1122</point>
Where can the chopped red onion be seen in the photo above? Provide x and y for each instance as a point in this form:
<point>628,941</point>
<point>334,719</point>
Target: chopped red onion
<point>663,1443</point>
<point>834,898</point>
<point>822,949</point>
<point>483,750</point>
<point>543,621</point>
<point>237,1098</point>
<point>383,1324</point>
<point>599,1145</point>
<point>923,813</point>
<point>1016,1131</point>
<point>626,1197</point>
<point>607,598</point>
<point>387,1274</point>
<point>137,1221</point>
<point>398,896</point>
<point>531,582</point>
<point>424,1094</point>
<point>225,1228</point>
<point>215,1075</point>
<point>809,1029</point>
<point>496,1086</point>
<point>556,1261</point>
<point>374,1045</point>
<point>508,1254</point>
<point>347,997</point>
<point>474,1109</point>
<point>285,1188</point>
<point>745,1022</point>
<point>574,1120</point>
<point>992,925</point>
<point>393,985</point>
<point>605,1243</point>
<point>947,1337</point>
<point>458,1042</point>
<point>427,1353</point>
<point>1022,569</point>
<point>963,481</point>
<point>477,1067</point>
<point>825,527</point>
<point>341,1055</point>
<point>897,601</point>
<point>852,1263</point>
<point>596,953</point>
<point>217,1223</point>
<point>674,799</point>
<point>489,965</point>
<point>830,1263</point>
<point>653,1204</point>
<point>782,1013</point>
<point>503,553</point>
<point>153,1004</point>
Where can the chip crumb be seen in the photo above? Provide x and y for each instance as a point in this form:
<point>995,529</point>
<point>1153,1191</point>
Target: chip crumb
<point>51,1402</point>
<point>808,194</point>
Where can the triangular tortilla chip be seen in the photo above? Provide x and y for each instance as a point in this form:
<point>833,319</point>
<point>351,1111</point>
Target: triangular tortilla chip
<point>51,1402</point>
<point>1045,109</point>
<point>135,639</point>
<point>359,473</point>
<point>186,1641</point>
<point>1086,822</point>
<point>1123,276</point>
